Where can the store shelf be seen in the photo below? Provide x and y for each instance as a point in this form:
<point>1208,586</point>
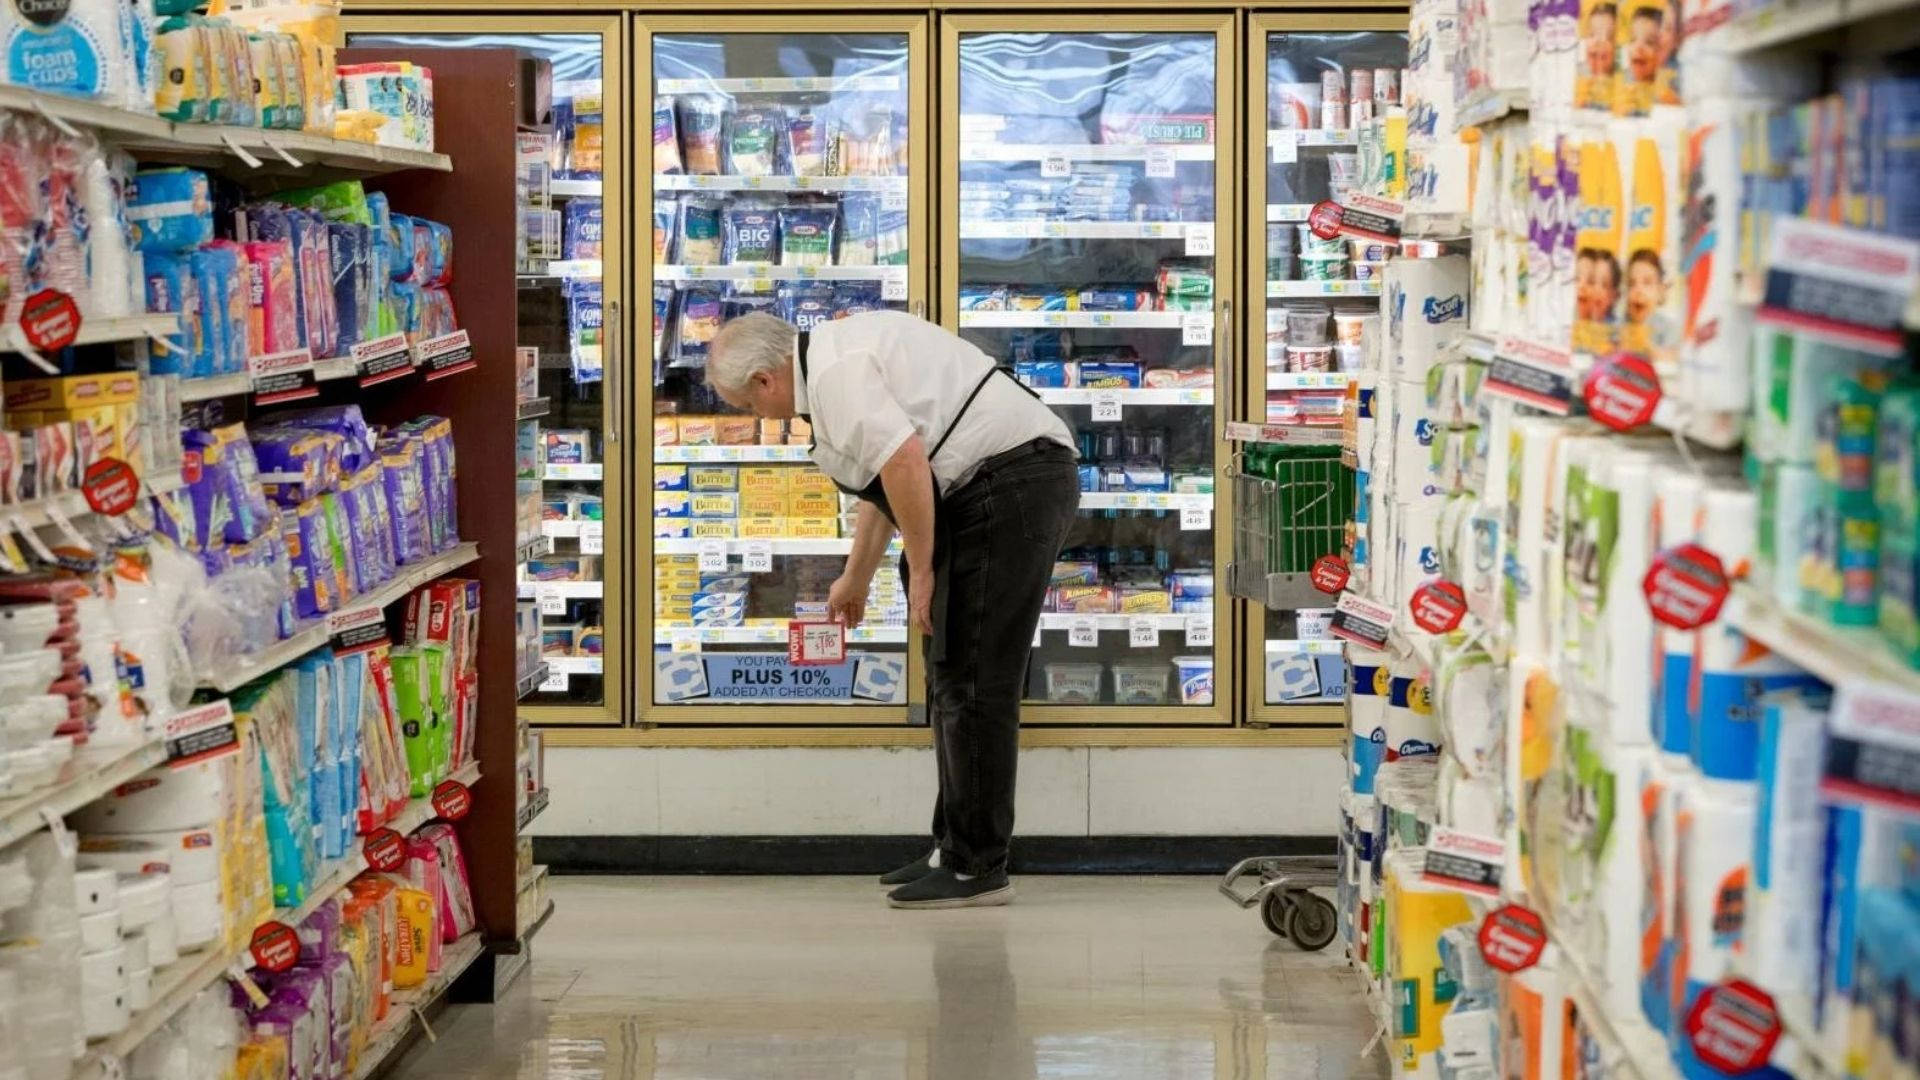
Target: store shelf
<point>567,528</point>
<point>1081,230</point>
<point>1633,1043</point>
<point>1307,380</point>
<point>1079,320</point>
<point>730,454</point>
<point>530,680</point>
<point>570,590</point>
<point>1145,500</point>
<point>1718,430</point>
<point>532,408</point>
<point>215,386</point>
<point>829,84</point>
<point>1128,396</point>
<point>72,505</point>
<point>1484,106</point>
<point>826,545</point>
<point>690,636</point>
<point>531,549</point>
<point>570,269</point>
<point>535,805</point>
<point>593,471</point>
<point>1288,211</point>
<point>1314,136</point>
<point>314,634</point>
<point>148,136</point>
<point>1289,434</point>
<point>981,150</point>
<point>1067,620</point>
<point>575,665</point>
<point>577,189</point>
<point>90,773</point>
<point>1838,654</point>
<point>1782,23</point>
<point>1294,289</point>
<point>101,331</point>
<point>756,272</point>
<point>684,182</point>
<point>390,1035</point>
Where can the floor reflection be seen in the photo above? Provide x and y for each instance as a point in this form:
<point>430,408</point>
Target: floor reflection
<point>797,979</point>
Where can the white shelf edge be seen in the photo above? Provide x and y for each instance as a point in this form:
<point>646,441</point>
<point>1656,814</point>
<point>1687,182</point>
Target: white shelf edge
<point>1078,230</point>
<point>1145,395</point>
<point>679,272</point>
<point>1082,320</point>
<point>572,590</point>
<point>730,455</point>
<point>1161,620</point>
<point>1145,500</point>
<point>691,182</point>
<point>1838,654</point>
<point>89,774</point>
<point>987,150</point>
<point>769,635</point>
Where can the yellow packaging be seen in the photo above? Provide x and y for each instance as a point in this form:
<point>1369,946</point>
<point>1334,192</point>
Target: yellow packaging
<point>1416,915</point>
<point>773,432</point>
<point>1646,67</point>
<point>670,477</point>
<point>799,432</point>
<point>675,562</point>
<point>736,430</point>
<point>764,478</point>
<point>813,527</point>
<point>713,478</point>
<point>714,504</point>
<point>763,528</point>
<point>714,528</point>
<point>814,504</point>
<point>1599,215</point>
<point>811,480</point>
<point>417,930</point>
<point>666,431</point>
<point>698,431</point>
<point>1652,305</point>
<point>1146,602</point>
<point>672,503</point>
<point>772,504</point>
<point>73,391</point>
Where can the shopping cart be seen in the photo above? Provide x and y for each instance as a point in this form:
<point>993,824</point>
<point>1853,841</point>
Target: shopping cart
<point>1289,910</point>
<point>1291,505</point>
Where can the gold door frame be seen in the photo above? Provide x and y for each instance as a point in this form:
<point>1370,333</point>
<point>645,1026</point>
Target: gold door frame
<point>916,29</point>
<point>611,27</point>
<point>1224,25</point>
<point>1253,397</point>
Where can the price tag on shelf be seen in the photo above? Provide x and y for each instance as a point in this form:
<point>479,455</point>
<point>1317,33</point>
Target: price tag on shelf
<point>1200,239</point>
<point>894,199</point>
<point>1083,634</point>
<point>1038,629</point>
<point>1196,518</point>
<point>713,556</point>
<point>893,287</point>
<point>593,537</point>
<point>554,683</point>
<point>1200,632</point>
<point>686,638</point>
<point>1143,633</point>
<point>1056,167</point>
<point>1196,328</point>
<point>1106,406</point>
<point>1160,162</point>
<point>552,601</point>
<point>1286,147</point>
<point>757,556</point>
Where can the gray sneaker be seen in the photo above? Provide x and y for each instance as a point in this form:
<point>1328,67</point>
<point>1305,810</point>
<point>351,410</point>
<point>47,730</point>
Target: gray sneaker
<point>911,872</point>
<point>941,888</point>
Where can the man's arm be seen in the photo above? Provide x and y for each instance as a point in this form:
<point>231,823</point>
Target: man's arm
<point>847,598</point>
<point>907,478</point>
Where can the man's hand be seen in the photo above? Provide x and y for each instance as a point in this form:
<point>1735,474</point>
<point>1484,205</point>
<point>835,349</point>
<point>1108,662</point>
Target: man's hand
<point>847,601</point>
<point>920,598</point>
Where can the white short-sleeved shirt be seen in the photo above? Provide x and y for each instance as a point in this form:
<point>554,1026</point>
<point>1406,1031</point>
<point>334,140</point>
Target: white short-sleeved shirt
<point>876,378</point>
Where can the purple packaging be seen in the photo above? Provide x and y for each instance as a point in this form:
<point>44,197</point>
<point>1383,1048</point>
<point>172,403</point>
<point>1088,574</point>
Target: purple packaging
<point>310,557</point>
<point>347,580</point>
<point>251,511</point>
<point>173,518</point>
<point>366,531</point>
<point>436,456</point>
<point>293,1017</point>
<point>336,972</point>
<point>216,559</point>
<point>404,482</point>
<point>296,464</point>
<point>346,421</point>
<point>211,495</point>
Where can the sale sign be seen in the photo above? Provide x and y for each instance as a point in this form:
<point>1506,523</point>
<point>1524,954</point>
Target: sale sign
<point>49,320</point>
<point>111,487</point>
<point>1329,574</point>
<point>1622,391</point>
<point>1438,606</point>
<point>384,849</point>
<point>1733,1027</point>
<point>275,947</point>
<point>1512,938</point>
<point>816,642</point>
<point>1685,587</point>
<point>452,800</point>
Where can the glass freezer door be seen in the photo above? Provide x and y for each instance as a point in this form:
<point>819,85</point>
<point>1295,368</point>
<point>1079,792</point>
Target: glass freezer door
<point>782,174</point>
<point>568,232</point>
<point>1089,249</point>
<point>1325,81</point>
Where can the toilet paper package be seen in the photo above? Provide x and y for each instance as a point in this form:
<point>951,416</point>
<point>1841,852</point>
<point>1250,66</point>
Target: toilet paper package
<point>1469,691</point>
<point>192,856</point>
<point>1676,521</point>
<point>1789,845</point>
<point>1425,301</point>
<point>1715,837</point>
<point>1367,715</point>
<point>1416,916</point>
<point>1411,728</point>
<point>1622,882</point>
<point>1534,448</point>
<point>1533,1017</point>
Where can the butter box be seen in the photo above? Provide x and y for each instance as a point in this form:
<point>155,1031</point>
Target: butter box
<point>765,478</point>
<point>714,528</point>
<point>765,504</point>
<point>713,478</point>
<point>670,478</point>
<point>814,504</point>
<point>714,504</point>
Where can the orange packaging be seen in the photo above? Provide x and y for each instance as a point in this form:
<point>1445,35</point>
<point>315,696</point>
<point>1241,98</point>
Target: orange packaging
<point>736,430</point>
<point>416,930</point>
<point>666,431</point>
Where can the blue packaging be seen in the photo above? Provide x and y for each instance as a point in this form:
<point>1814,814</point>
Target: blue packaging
<point>170,209</point>
<point>583,231</point>
<point>1049,346</point>
<point>1108,375</point>
<point>1089,478</point>
<point>1369,748</point>
<point>1114,298</point>
<point>210,357</point>
<point>1043,374</point>
<point>1725,744</point>
<point>400,234</point>
<point>1896,132</point>
<point>171,287</point>
<point>348,249</point>
<point>440,250</point>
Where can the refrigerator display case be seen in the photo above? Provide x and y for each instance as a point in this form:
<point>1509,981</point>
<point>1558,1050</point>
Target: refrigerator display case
<point>569,235</point>
<point>1089,207</point>
<point>1319,91</point>
<point>786,174</point>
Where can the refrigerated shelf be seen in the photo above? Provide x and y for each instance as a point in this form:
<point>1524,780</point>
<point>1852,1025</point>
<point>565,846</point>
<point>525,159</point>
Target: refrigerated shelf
<point>568,590</point>
<point>754,272</point>
<point>1292,289</point>
<point>1144,500</point>
<point>691,182</point>
<point>590,471</point>
<point>829,84</point>
<point>1127,396</point>
<point>730,454</point>
<point>1101,152</point>
<point>1190,231</point>
<point>1083,320</point>
<point>686,636</point>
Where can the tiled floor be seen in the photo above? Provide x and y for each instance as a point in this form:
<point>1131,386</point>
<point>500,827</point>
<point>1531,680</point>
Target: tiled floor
<point>1106,978</point>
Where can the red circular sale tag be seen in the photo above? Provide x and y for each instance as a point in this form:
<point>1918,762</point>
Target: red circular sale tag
<point>275,947</point>
<point>1686,587</point>
<point>190,466</point>
<point>1733,1026</point>
<point>1329,574</point>
<point>384,849</point>
<point>1622,391</point>
<point>1438,606</point>
<point>110,486</point>
<point>1512,938</point>
<point>452,800</point>
<point>50,320</point>
<point>1324,219</point>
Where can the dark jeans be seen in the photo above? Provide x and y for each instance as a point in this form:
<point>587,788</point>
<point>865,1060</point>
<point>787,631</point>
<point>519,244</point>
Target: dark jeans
<point>999,534</point>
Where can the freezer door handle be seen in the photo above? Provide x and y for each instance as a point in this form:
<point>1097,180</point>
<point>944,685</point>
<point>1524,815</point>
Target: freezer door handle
<point>611,365</point>
<point>1223,378</point>
<point>918,309</point>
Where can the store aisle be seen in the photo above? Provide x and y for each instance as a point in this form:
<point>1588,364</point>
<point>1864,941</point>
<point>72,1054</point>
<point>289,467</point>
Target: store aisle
<point>649,978</point>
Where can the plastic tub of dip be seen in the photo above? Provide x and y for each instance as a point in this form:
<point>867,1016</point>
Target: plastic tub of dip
<point>1196,679</point>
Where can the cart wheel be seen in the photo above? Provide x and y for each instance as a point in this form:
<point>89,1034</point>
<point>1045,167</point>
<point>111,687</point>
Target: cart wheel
<point>1273,912</point>
<point>1312,922</point>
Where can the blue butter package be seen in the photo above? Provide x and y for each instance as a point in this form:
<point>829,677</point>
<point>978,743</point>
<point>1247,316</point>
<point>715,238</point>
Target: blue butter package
<point>1044,374</point>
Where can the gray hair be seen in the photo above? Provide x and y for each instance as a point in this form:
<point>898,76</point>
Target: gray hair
<point>746,346</point>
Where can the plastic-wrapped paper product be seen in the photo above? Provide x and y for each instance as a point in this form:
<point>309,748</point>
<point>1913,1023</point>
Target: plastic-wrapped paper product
<point>807,235</point>
<point>310,553</point>
<point>584,329</point>
<point>172,287</point>
<point>170,209</point>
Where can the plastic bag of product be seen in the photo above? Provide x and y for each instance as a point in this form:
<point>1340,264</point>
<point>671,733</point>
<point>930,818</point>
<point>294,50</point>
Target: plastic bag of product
<point>342,201</point>
<point>699,322</point>
<point>807,235</point>
<point>805,138</point>
<point>584,319</point>
<point>701,121</point>
<point>749,236</point>
<point>700,243</point>
<point>805,305</point>
<point>666,137</point>
<point>585,230</point>
<point>753,142</point>
<point>170,209</point>
<point>273,296</point>
<point>664,211</point>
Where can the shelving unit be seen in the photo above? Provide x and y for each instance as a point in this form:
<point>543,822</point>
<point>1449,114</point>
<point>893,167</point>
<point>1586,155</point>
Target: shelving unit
<point>409,1006</point>
<point>730,454</point>
<point>98,331</point>
<point>89,774</point>
<point>1086,230</point>
<point>981,150</point>
<point>694,636</point>
<point>691,182</point>
<point>1145,500</point>
<point>1146,395</point>
<point>1838,654</point>
<point>1291,289</point>
<point>1082,320</point>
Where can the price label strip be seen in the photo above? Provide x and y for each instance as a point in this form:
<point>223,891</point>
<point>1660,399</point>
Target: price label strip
<point>1200,240</point>
<point>448,354</point>
<point>1873,748</point>
<point>757,556</point>
<point>1106,407</point>
<point>1532,374</point>
<point>713,556</point>
<point>1160,162</point>
<point>1196,328</point>
<point>1199,632</point>
<point>551,600</point>
<point>1463,862</point>
<point>1143,633</point>
<point>357,630</point>
<point>593,537</point>
<point>1083,634</point>
<point>1361,621</point>
<point>201,733</point>
<point>1196,518</point>
<point>282,377</point>
<point>1843,285</point>
<point>383,359</point>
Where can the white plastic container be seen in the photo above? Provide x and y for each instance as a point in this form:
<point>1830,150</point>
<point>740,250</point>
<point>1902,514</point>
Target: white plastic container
<point>1139,682</point>
<point>100,930</point>
<point>1196,679</point>
<point>103,972</point>
<point>102,1016</point>
<point>144,898</point>
<point>139,988</point>
<point>95,891</point>
<point>1073,682</point>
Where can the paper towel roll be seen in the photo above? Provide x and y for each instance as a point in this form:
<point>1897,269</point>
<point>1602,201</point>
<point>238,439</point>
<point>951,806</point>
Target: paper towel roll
<point>1532,705</point>
<point>1659,791</point>
<point>158,799</point>
<point>196,913</point>
<point>1534,450</point>
<point>1533,1017</point>
<point>1623,883</point>
<point>1610,617</point>
<point>1417,914</point>
<point>1412,729</point>
<point>1715,834</point>
<point>192,855</point>
<point>1783,941</point>
<point>1425,301</point>
<point>1367,715</point>
<point>1678,491</point>
<point>123,855</point>
<point>1715,332</point>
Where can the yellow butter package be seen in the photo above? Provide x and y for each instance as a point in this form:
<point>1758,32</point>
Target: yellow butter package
<point>714,528</point>
<point>714,504</point>
<point>713,478</point>
<point>413,942</point>
<point>813,504</point>
<point>771,504</point>
<point>811,480</point>
<point>763,528</point>
<point>1597,269</point>
<point>765,478</point>
<point>1417,914</point>
<point>813,527</point>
